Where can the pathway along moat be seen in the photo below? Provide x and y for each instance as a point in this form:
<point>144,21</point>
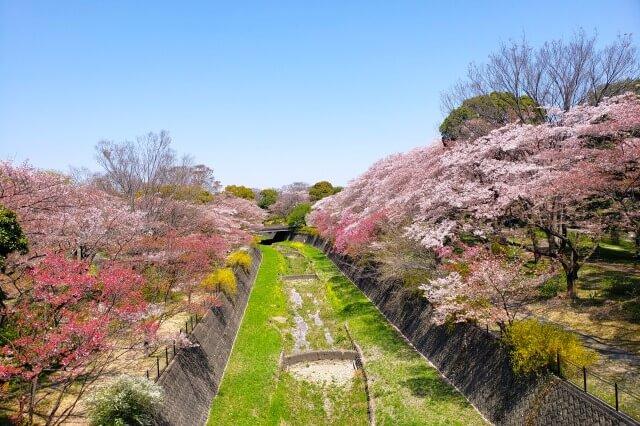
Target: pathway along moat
<point>287,315</point>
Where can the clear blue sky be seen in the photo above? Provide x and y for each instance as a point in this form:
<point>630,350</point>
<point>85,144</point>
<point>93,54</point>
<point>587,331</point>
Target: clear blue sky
<point>265,93</point>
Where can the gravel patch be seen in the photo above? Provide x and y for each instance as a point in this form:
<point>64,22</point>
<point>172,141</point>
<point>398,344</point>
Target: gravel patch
<point>333,372</point>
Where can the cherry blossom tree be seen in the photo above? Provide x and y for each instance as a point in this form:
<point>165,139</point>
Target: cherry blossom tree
<point>63,321</point>
<point>492,288</point>
<point>518,182</point>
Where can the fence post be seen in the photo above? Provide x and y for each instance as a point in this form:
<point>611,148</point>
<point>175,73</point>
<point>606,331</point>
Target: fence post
<point>186,327</point>
<point>174,348</point>
<point>558,364</point>
<point>158,366</point>
<point>147,374</point>
<point>487,328</point>
<point>166,355</point>
<point>616,386</point>
<point>584,377</point>
<point>191,318</point>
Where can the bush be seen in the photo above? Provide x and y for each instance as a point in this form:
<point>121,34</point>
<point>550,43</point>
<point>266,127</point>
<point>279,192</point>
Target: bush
<point>535,345</point>
<point>297,216</point>
<point>223,280</point>
<point>127,401</point>
<point>239,258</point>
<point>312,231</point>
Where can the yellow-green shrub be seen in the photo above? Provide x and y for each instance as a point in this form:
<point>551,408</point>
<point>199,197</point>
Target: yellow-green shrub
<point>223,280</point>
<point>312,231</point>
<point>239,258</point>
<point>535,345</point>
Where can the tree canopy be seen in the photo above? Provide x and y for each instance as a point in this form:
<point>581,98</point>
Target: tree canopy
<point>267,197</point>
<point>297,217</point>
<point>322,189</point>
<point>240,191</point>
<point>478,115</point>
<point>11,236</point>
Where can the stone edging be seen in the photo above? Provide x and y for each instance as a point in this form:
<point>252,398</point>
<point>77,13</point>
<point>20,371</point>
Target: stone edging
<point>360,364</point>
<point>322,355</point>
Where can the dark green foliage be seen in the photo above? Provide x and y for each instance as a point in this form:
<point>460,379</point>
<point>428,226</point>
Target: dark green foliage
<point>297,216</point>
<point>11,236</point>
<point>240,191</point>
<point>632,308</point>
<point>322,189</point>
<point>267,197</point>
<point>622,286</point>
<point>479,115</point>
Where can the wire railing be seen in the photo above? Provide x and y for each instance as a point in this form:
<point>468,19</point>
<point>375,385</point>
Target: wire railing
<point>164,355</point>
<point>609,391</point>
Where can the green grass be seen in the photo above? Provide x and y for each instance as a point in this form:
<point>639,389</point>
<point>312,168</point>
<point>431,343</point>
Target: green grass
<point>246,392</point>
<point>406,390</point>
<point>253,391</point>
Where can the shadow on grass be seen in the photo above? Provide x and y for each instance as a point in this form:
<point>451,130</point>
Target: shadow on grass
<point>614,254</point>
<point>427,384</point>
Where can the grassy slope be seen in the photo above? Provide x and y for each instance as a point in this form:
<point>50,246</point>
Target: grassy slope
<point>406,390</point>
<point>249,381</point>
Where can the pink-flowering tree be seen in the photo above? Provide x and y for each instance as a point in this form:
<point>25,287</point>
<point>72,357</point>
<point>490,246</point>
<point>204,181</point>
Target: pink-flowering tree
<point>62,322</point>
<point>182,260</point>
<point>290,196</point>
<point>489,288</point>
<point>519,180</point>
<point>353,236</point>
<point>619,181</point>
<point>60,217</point>
<point>232,218</point>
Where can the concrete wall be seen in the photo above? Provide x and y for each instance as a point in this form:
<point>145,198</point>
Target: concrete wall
<point>475,363</point>
<point>192,379</point>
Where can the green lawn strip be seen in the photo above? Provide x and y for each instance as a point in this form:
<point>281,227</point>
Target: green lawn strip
<point>249,383</point>
<point>305,403</point>
<point>406,390</point>
<point>251,392</point>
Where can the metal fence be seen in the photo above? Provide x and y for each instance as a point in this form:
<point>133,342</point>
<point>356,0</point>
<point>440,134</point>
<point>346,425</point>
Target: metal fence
<point>164,355</point>
<point>611,392</point>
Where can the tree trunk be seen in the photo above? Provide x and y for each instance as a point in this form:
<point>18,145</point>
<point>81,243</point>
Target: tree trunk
<point>571,274</point>
<point>32,398</point>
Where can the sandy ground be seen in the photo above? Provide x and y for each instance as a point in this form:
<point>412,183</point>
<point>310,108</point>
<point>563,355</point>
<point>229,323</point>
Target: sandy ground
<point>336,372</point>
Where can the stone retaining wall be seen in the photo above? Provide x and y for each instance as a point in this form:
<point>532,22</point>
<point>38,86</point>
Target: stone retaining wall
<point>192,378</point>
<point>475,362</point>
